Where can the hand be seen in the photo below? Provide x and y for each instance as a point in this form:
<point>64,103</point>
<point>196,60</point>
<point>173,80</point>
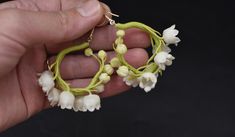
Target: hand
<point>31,31</point>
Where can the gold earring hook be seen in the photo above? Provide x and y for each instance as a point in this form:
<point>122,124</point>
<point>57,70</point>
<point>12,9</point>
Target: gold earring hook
<point>91,35</point>
<point>111,21</point>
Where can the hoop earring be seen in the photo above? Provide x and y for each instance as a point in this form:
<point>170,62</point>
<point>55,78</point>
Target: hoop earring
<point>144,76</point>
<point>59,91</point>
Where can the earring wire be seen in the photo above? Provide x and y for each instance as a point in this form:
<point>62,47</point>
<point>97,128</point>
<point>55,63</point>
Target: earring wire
<point>111,21</point>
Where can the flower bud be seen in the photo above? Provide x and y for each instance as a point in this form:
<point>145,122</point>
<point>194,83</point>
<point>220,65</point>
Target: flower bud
<point>123,71</point>
<point>118,41</point>
<point>104,77</point>
<point>99,89</point>
<point>121,48</point>
<point>120,33</point>
<point>115,63</point>
<point>102,54</point>
<point>88,52</point>
<point>108,69</point>
<point>66,100</point>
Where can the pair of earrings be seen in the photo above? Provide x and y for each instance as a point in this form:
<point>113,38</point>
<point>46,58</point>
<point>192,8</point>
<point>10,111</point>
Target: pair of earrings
<point>85,99</point>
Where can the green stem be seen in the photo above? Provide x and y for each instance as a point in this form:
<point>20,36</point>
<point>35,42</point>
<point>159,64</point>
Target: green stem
<point>62,84</point>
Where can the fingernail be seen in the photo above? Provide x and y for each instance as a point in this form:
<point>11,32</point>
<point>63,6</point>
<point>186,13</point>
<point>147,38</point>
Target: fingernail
<point>88,8</point>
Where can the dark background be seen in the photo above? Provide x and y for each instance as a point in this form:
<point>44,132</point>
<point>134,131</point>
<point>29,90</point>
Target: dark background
<point>194,97</point>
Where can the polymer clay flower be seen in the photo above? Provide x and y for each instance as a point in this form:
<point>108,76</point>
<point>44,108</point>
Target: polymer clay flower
<point>147,81</point>
<point>163,59</point>
<point>53,96</point>
<point>79,104</point>
<point>104,77</point>
<point>99,89</point>
<point>169,35</point>
<point>122,71</point>
<point>131,82</point>
<point>89,102</point>
<point>46,81</point>
<point>66,100</point>
<point>108,69</point>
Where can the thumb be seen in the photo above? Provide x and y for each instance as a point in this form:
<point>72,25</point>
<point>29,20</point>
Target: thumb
<point>30,28</point>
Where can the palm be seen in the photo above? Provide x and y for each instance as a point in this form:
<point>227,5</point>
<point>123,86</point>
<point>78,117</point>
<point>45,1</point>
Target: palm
<point>20,93</point>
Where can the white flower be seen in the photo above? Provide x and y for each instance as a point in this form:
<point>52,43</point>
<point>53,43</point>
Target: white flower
<point>46,81</point>
<point>166,49</point>
<point>131,82</point>
<point>66,100</point>
<point>123,71</point>
<point>53,96</point>
<point>169,35</point>
<point>92,102</point>
<point>79,104</point>
<point>104,77</point>
<point>147,81</point>
<point>99,89</point>
<point>163,59</point>
<point>89,102</point>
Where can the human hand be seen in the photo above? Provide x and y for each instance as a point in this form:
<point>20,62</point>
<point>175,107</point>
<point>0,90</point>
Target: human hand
<point>32,31</point>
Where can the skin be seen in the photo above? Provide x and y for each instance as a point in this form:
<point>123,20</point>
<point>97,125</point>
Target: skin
<point>33,31</point>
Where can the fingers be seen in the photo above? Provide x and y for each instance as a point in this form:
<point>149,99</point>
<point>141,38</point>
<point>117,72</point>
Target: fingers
<point>114,87</point>
<point>78,66</point>
<point>103,38</point>
<point>30,28</point>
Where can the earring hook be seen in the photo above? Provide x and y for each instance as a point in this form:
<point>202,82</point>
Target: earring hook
<point>111,21</point>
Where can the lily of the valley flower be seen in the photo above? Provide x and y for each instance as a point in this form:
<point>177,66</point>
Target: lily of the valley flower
<point>120,33</point>
<point>102,54</point>
<point>147,81</point>
<point>53,96</point>
<point>88,52</point>
<point>163,59</point>
<point>66,100</point>
<point>115,63</point>
<point>104,77</point>
<point>99,89</point>
<point>169,35</point>
<point>123,71</point>
<point>79,104</point>
<point>131,81</point>
<point>89,102</point>
<point>108,69</point>
<point>46,81</point>
<point>121,48</point>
